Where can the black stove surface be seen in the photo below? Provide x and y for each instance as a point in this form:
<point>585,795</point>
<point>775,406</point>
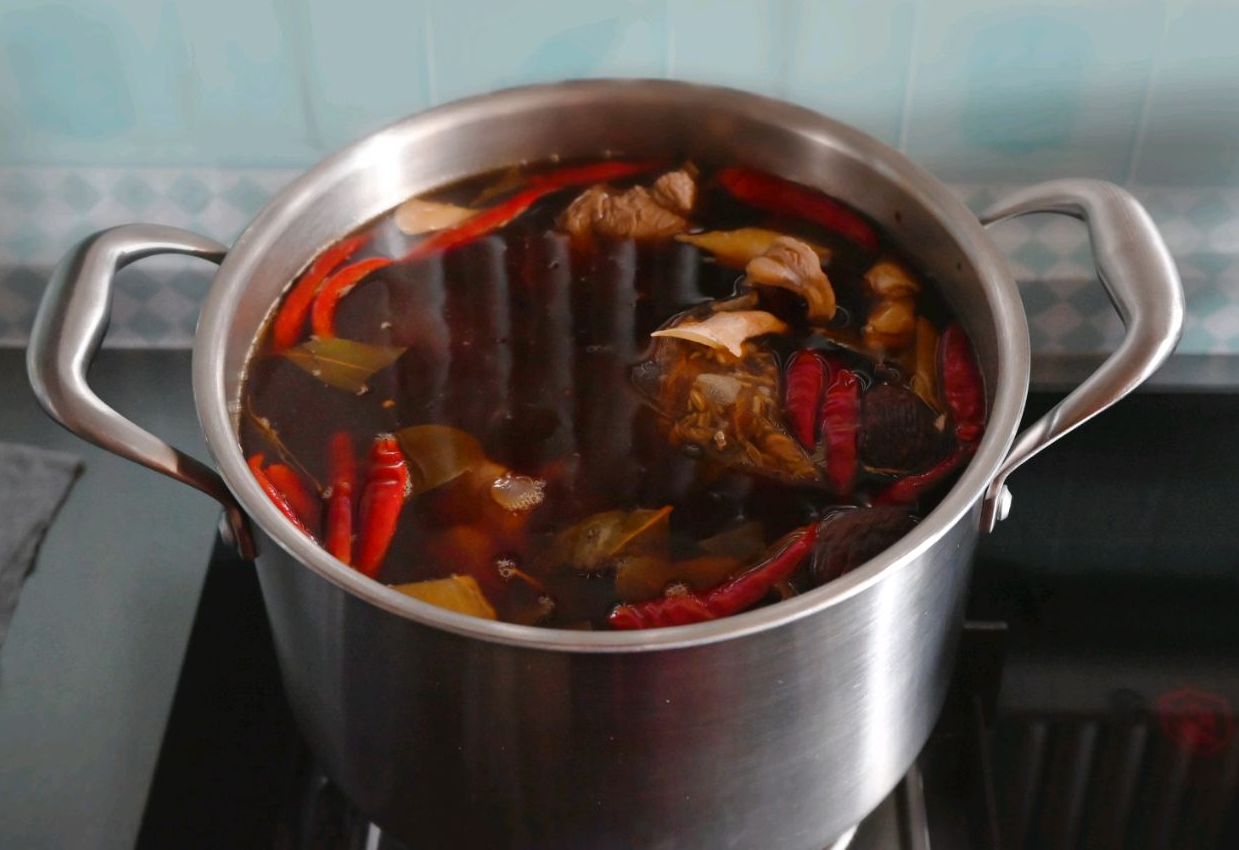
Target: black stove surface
<point>1093,704</point>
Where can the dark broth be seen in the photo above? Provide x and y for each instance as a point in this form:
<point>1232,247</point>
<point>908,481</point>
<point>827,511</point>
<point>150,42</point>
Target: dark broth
<point>528,343</point>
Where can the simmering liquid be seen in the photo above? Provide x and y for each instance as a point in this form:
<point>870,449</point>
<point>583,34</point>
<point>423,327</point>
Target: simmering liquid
<point>580,463</point>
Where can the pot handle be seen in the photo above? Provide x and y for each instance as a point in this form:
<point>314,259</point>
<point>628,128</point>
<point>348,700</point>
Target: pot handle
<point>68,330</point>
<point>1140,277</point>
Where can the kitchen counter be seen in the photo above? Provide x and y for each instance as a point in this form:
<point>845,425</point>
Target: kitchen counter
<point>88,670</point>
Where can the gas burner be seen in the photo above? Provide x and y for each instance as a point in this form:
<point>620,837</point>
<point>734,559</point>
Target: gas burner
<point>899,823</point>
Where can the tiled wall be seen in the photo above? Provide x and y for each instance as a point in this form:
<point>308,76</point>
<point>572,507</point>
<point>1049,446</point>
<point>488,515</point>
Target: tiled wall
<point>193,112</point>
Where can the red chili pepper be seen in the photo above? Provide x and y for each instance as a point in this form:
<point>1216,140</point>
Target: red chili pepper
<point>323,314</point>
<point>387,486</point>
<point>593,172</point>
<point>730,597</point>
<point>962,384</point>
<point>539,186</point>
<point>787,198</point>
<point>338,538</point>
<point>327,300</point>
<point>807,373</point>
<point>290,320</point>
<point>274,493</point>
<point>840,425</point>
<point>908,489</point>
<point>476,226</point>
<point>303,502</point>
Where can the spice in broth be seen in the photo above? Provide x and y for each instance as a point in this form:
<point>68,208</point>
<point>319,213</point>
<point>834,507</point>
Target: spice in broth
<point>611,395</point>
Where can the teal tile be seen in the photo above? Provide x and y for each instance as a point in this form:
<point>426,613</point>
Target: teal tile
<point>27,283</point>
<point>480,46</point>
<point>148,325</point>
<point>68,74</point>
<point>1082,339</point>
<point>245,96</point>
<point>23,239</point>
<point>1035,256</point>
<point>189,193</point>
<point>1192,135</point>
<point>152,82</point>
<point>246,196</point>
<point>1210,299</point>
<point>134,193</point>
<point>1018,90</point>
<point>83,81</point>
<point>730,44</point>
<point>20,191</point>
<point>79,193</point>
<point>850,60</point>
<point>1212,263</point>
<point>1209,212</point>
<point>1196,339</point>
<point>369,65</point>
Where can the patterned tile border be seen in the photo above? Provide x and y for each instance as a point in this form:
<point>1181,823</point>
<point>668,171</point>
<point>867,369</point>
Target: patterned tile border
<point>45,210</point>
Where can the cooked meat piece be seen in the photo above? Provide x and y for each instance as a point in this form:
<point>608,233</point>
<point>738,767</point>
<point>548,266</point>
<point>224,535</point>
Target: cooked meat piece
<point>677,191</point>
<point>888,279</point>
<point>739,247</point>
<point>637,213</point>
<point>891,325</point>
<point>725,405</point>
<point>791,264</point>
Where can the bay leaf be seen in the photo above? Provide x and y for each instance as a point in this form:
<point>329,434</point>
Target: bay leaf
<point>745,542</point>
<point>345,364</point>
<point>726,331</point>
<point>594,542</point>
<point>417,216</point>
<point>461,594</point>
<point>439,453</point>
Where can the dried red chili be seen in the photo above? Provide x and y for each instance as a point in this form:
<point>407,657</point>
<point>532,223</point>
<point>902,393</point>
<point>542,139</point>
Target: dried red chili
<point>323,313</point>
<point>840,425</point>
<point>806,374</point>
<point>908,489</point>
<point>787,198</point>
<point>338,534</point>
<point>277,496</point>
<point>327,301</point>
<point>290,320</point>
<point>303,502</point>
<point>730,597</point>
<point>382,499</point>
<point>538,187</point>
<point>592,172</point>
<point>962,384</point>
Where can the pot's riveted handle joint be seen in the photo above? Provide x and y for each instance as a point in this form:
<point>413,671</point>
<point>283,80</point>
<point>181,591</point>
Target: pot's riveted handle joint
<point>1139,275</point>
<point>68,330</point>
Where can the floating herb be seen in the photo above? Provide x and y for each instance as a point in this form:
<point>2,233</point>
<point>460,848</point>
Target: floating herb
<point>345,364</point>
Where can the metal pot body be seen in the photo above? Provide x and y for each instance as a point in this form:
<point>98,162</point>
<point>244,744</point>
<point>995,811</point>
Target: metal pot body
<point>783,738</point>
<point>777,728</point>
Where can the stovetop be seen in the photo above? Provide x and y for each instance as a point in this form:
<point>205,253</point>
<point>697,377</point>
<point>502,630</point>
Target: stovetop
<point>1093,704</point>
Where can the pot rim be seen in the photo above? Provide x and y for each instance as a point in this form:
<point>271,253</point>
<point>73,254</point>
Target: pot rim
<point>1009,392</point>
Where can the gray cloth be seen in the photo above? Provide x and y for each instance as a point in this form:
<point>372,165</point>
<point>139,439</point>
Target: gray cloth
<point>33,486</point>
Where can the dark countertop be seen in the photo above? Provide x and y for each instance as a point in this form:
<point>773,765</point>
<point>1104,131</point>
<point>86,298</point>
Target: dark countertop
<point>88,671</point>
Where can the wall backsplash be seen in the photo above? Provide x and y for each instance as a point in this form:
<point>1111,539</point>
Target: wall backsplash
<point>194,113</point>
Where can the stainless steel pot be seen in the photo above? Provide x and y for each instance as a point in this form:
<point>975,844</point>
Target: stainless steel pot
<point>778,728</point>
